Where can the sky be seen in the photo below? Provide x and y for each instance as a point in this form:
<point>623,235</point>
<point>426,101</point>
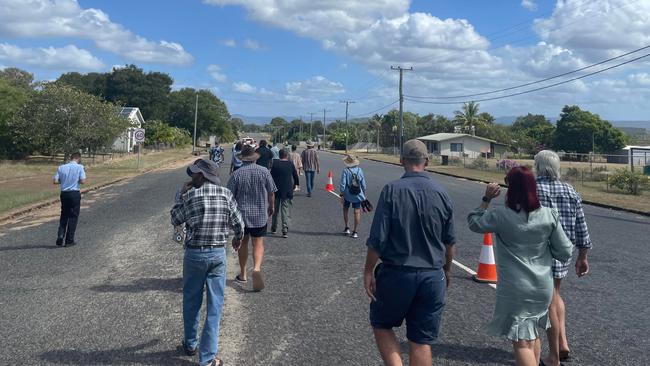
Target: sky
<point>295,57</point>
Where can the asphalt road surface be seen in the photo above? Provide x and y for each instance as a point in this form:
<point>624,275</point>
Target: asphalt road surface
<point>115,299</point>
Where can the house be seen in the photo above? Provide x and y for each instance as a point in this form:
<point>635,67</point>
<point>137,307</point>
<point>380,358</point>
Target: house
<point>461,144</point>
<point>636,155</point>
<point>124,142</point>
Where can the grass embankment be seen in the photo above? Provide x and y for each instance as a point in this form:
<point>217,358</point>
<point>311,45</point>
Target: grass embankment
<point>24,183</point>
<point>591,191</point>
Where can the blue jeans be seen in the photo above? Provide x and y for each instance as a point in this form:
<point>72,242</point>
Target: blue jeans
<point>203,268</point>
<point>309,177</point>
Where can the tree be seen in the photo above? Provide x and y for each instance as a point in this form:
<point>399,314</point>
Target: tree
<point>237,125</point>
<point>12,99</point>
<point>468,116</point>
<point>534,132</point>
<point>62,119</point>
<point>161,132</point>
<point>130,86</point>
<point>577,130</point>
<point>213,117</point>
<point>17,78</point>
<point>433,123</point>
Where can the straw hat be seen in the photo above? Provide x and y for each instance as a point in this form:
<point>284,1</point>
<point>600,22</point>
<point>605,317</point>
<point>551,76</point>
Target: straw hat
<point>350,161</point>
<point>248,153</point>
<point>310,143</point>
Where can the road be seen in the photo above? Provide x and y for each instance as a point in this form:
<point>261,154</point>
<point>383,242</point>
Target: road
<point>115,299</point>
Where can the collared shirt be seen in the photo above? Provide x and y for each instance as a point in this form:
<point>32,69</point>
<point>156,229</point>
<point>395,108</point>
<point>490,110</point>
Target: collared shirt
<point>346,180</point>
<point>276,152</point>
<point>69,175</point>
<point>563,197</point>
<point>296,159</point>
<point>209,212</point>
<point>251,184</point>
<point>413,222</point>
<point>310,160</point>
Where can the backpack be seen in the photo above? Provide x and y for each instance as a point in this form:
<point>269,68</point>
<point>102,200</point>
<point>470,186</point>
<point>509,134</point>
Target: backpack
<point>355,186</point>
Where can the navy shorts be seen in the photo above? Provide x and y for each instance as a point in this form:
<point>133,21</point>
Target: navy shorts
<point>414,295</point>
<point>255,232</point>
<point>355,205</point>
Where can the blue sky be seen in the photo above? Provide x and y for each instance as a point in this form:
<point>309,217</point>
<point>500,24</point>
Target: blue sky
<point>265,58</point>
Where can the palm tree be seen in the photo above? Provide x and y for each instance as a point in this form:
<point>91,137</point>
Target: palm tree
<point>468,117</point>
<point>375,123</point>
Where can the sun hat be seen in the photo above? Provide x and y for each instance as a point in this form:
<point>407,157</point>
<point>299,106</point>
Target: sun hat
<point>351,161</point>
<point>248,153</point>
<point>310,143</point>
<point>208,168</point>
<point>414,149</point>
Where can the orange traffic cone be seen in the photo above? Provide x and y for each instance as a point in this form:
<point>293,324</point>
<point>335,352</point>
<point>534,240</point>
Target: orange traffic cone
<point>487,268</point>
<point>330,184</point>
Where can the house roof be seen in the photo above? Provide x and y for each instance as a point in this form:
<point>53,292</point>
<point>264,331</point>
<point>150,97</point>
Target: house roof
<point>132,113</point>
<point>449,136</point>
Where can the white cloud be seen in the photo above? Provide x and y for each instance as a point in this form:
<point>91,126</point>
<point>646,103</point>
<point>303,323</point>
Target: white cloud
<point>529,5</point>
<point>216,73</point>
<point>65,58</point>
<point>318,86</point>
<point>228,42</point>
<point>252,44</point>
<point>245,88</point>
<point>66,18</point>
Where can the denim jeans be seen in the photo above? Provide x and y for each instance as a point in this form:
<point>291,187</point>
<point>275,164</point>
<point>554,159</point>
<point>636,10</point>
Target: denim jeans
<point>281,213</point>
<point>309,177</point>
<point>203,268</point>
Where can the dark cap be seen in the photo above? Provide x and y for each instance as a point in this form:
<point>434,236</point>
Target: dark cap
<point>208,168</point>
<point>415,149</point>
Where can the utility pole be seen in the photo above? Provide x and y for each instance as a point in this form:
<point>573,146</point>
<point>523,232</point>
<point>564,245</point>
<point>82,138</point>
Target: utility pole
<point>325,127</point>
<point>347,130</point>
<point>401,104</point>
<point>196,115</point>
<point>311,123</point>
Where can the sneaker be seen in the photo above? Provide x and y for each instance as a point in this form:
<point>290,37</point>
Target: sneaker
<point>346,231</point>
<point>188,351</point>
<point>354,235</point>
<point>284,235</point>
<point>59,242</point>
<point>274,231</point>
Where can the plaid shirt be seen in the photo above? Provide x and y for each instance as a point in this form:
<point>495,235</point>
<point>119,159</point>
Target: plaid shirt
<point>561,196</point>
<point>251,185</point>
<point>208,212</point>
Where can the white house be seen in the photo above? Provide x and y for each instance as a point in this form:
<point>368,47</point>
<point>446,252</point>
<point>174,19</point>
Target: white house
<point>457,144</point>
<point>125,141</point>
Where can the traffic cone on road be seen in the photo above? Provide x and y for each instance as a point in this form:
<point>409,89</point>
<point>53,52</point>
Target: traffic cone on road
<point>330,184</point>
<point>487,268</point>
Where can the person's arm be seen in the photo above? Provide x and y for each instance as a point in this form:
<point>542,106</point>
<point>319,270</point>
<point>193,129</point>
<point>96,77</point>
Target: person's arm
<point>450,251</point>
<point>236,223</point>
<point>369,282</point>
<point>317,162</point>
<point>583,241</point>
<point>179,213</point>
<point>270,192</point>
<point>56,178</point>
<point>296,178</point>
<point>483,220</point>
<point>449,239</point>
<point>561,246</point>
<point>82,176</point>
<point>343,184</point>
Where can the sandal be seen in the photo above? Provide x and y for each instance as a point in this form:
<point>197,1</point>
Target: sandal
<point>258,281</point>
<point>216,362</point>
<point>239,280</point>
<point>565,356</point>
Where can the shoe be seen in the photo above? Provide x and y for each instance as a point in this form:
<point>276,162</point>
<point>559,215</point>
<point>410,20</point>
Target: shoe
<point>284,235</point>
<point>354,235</point>
<point>274,231</point>
<point>240,281</point>
<point>71,244</point>
<point>346,231</point>
<point>188,351</point>
<point>258,281</point>
<point>308,194</point>
<point>59,242</point>
<point>215,362</point>
<point>565,356</point>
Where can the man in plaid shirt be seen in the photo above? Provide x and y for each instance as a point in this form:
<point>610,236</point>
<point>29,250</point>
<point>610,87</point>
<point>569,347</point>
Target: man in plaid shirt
<point>208,211</point>
<point>563,197</point>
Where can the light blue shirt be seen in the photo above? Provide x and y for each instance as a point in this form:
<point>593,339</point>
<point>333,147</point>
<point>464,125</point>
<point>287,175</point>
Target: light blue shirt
<point>69,175</point>
<point>346,179</point>
<point>276,152</point>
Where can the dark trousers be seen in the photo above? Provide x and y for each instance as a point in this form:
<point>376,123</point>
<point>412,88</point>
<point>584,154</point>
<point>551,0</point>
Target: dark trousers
<point>70,206</point>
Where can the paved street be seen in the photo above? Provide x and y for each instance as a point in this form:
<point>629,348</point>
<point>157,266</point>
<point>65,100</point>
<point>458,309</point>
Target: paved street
<point>115,299</point>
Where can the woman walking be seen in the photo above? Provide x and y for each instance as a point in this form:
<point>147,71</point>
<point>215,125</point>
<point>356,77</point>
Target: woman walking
<point>352,188</point>
<point>528,238</point>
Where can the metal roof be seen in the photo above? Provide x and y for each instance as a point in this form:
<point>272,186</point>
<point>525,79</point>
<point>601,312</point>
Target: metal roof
<point>449,136</point>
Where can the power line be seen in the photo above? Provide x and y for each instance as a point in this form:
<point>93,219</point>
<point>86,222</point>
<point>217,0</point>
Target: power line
<point>533,82</point>
<point>375,111</point>
<point>536,89</point>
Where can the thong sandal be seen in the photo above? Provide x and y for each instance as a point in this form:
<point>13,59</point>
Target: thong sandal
<point>565,356</point>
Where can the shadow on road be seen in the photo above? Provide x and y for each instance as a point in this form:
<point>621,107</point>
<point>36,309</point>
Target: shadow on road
<point>239,288</point>
<point>145,284</point>
<point>471,355</point>
<point>316,233</point>
<point>121,356</point>
<point>29,247</point>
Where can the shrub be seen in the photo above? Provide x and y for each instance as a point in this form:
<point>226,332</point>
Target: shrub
<point>628,181</point>
<point>506,164</point>
<point>572,173</point>
<point>480,163</point>
<point>599,173</point>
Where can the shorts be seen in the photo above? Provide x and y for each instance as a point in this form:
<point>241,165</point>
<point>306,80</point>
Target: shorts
<point>416,295</point>
<point>560,269</point>
<point>255,232</point>
<point>355,205</point>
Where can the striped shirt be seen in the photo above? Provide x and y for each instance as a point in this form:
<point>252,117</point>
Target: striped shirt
<point>563,197</point>
<point>310,160</point>
<point>251,185</point>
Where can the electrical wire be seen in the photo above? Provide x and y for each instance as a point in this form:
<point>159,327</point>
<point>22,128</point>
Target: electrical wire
<point>374,111</point>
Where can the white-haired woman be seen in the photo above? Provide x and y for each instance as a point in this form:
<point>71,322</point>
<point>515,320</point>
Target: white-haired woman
<point>562,196</point>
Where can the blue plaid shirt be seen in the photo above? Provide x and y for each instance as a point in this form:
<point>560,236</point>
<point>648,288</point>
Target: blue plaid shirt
<point>251,185</point>
<point>563,197</point>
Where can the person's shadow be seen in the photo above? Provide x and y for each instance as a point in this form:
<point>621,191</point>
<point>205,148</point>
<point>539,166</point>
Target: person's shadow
<point>120,356</point>
<point>467,354</point>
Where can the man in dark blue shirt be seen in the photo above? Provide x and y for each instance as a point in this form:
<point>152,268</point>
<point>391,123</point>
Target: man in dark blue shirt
<point>266,155</point>
<point>413,235</point>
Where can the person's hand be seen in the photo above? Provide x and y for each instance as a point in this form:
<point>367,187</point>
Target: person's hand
<point>447,275</point>
<point>582,266</point>
<point>186,187</point>
<point>236,244</point>
<point>341,198</point>
<point>370,285</point>
<point>492,190</point>
<point>271,210</point>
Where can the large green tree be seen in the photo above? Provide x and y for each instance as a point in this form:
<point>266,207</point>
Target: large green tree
<point>533,132</point>
<point>434,123</point>
<point>213,117</point>
<point>12,99</point>
<point>577,130</point>
<point>17,77</point>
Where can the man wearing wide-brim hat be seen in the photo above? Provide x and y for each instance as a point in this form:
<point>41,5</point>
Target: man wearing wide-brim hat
<point>353,193</point>
<point>253,188</point>
<point>204,264</point>
<point>310,165</point>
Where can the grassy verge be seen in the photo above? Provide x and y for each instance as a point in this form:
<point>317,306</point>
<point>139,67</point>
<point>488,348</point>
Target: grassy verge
<point>28,183</point>
<point>591,191</point>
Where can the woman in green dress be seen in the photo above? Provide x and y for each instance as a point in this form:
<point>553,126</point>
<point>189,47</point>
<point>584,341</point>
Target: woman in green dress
<point>528,236</point>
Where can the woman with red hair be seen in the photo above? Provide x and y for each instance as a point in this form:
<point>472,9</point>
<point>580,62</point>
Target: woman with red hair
<point>528,237</point>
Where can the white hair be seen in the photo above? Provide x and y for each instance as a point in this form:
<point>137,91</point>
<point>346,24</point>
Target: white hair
<point>547,164</point>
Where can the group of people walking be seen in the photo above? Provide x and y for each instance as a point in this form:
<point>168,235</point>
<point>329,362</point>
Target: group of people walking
<point>410,248</point>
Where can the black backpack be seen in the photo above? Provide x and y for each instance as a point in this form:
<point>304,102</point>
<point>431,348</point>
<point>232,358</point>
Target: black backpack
<point>355,186</point>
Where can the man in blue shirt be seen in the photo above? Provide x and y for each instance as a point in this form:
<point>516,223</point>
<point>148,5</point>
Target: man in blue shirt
<point>413,235</point>
<point>69,176</point>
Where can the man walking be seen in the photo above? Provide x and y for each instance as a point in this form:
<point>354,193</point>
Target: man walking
<point>253,188</point>
<point>413,234</point>
<point>69,176</point>
<point>208,211</point>
<point>286,180</point>
<point>562,196</point>
<point>265,155</point>
<point>310,165</point>
<point>353,193</point>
